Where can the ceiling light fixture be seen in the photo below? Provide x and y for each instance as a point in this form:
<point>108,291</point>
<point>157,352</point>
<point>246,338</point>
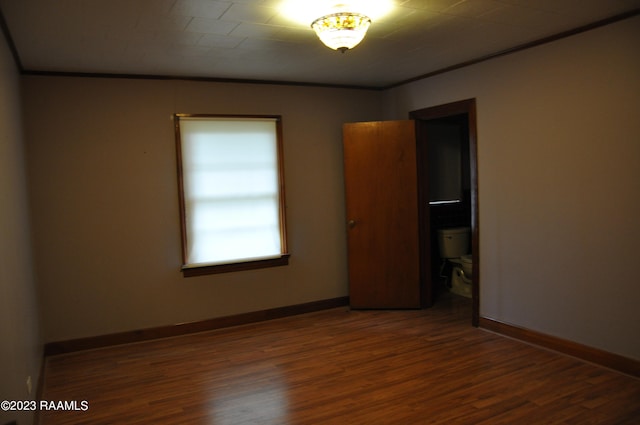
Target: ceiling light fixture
<point>340,24</point>
<point>341,30</point>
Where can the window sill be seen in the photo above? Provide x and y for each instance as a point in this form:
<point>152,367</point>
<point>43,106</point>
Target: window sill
<point>202,270</point>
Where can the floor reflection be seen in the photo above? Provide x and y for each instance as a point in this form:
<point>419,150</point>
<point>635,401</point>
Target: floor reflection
<point>252,400</point>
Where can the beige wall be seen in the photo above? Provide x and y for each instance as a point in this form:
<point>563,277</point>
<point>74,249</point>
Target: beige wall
<point>103,182</point>
<point>20,346</point>
<point>559,183</point>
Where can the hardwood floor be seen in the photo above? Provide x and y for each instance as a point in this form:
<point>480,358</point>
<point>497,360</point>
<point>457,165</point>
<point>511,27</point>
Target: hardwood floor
<point>339,366</point>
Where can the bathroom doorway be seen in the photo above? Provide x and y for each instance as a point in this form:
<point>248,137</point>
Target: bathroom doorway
<point>448,185</point>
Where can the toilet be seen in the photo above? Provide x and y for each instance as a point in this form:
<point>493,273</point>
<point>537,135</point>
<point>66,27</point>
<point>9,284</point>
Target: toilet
<point>454,249</point>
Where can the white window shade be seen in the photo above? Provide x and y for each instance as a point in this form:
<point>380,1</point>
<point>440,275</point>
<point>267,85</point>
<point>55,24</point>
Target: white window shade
<point>230,189</point>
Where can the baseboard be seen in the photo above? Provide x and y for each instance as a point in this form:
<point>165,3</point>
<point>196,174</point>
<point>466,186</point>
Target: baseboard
<point>580,351</point>
<point>40,387</point>
<point>61,347</point>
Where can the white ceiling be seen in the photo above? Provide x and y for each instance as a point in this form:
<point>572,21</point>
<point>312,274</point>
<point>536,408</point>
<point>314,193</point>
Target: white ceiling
<point>252,40</point>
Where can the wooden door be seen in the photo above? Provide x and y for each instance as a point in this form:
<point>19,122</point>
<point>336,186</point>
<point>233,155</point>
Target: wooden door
<point>382,214</point>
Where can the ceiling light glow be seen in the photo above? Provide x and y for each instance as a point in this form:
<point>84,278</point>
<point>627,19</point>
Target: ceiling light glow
<point>340,25</point>
<point>305,12</point>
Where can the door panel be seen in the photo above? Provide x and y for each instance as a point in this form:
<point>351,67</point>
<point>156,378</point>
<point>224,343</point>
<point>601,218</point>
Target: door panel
<point>382,214</point>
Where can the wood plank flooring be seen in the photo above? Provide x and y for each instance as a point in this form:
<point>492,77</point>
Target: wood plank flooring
<point>339,367</point>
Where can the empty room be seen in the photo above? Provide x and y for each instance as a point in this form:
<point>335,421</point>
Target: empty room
<point>293,212</point>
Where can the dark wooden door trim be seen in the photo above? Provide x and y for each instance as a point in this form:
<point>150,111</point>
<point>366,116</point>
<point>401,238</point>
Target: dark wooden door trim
<point>467,107</point>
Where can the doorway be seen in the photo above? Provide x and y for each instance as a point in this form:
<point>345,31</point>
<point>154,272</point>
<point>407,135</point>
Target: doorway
<point>447,151</point>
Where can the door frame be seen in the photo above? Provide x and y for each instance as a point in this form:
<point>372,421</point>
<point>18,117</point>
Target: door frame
<point>468,107</point>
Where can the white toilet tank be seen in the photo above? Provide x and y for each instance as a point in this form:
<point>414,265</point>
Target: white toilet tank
<point>453,242</point>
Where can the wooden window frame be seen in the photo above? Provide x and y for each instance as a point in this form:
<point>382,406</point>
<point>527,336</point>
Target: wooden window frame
<point>189,270</point>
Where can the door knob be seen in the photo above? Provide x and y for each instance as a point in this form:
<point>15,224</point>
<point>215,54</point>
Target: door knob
<point>351,224</point>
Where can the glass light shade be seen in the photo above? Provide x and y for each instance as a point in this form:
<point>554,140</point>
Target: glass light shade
<point>341,31</point>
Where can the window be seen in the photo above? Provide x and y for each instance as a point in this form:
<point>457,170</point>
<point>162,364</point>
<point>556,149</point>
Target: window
<point>231,192</point>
